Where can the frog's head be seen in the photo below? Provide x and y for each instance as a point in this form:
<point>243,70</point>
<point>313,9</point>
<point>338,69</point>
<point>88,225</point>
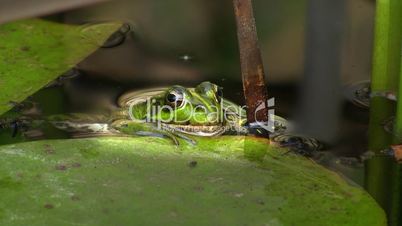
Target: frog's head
<point>197,111</point>
<point>199,106</point>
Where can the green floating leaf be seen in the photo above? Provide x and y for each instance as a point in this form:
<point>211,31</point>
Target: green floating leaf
<point>148,181</point>
<point>35,52</point>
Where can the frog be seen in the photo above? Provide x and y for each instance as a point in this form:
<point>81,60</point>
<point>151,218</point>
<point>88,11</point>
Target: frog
<point>182,112</point>
<point>175,112</point>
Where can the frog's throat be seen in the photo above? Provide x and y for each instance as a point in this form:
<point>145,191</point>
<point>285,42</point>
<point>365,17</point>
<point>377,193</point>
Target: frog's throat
<point>202,130</point>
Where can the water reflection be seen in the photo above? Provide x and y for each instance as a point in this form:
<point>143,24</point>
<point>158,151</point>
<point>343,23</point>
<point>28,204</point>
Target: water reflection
<point>89,30</point>
<point>186,58</point>
<point>118,37</point>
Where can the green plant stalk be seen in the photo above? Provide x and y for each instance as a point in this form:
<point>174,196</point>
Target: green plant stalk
<point>378,171</point>
<point>382,174</point>
<point>398,118</point>
<point>386,58</point>
<point>398,140</point>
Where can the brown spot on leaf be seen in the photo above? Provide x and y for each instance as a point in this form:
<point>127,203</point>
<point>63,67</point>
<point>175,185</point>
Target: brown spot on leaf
<point>61,167</point>
<point>192,164</point>
<point>25,48</point>
<point>105,210</point>
<point>75,198</point>
<point>49,150</point>
<point>334,209</point>
<point>48,206</point>
<point>198,188</point>
<point>76,165</point>
<point>260,202</point>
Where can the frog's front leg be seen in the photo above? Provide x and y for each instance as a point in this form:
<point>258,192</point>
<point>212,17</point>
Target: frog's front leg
<point>160,134</point>
<point>186,138</point>
<point>142,129</point>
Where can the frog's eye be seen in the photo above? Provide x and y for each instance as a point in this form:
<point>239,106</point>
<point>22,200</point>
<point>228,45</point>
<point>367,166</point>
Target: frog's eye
<point>174,98</point>
<point>219,94</point>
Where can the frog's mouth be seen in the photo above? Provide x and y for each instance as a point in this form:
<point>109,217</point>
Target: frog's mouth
<point>197,130</point>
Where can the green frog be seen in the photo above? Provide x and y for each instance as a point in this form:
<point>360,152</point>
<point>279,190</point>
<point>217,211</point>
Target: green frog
<point>170,112</point>
<point>182,112</point>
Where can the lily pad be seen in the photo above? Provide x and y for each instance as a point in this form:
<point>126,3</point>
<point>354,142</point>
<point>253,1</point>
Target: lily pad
<point>34,52</point>
<point>148,181</point>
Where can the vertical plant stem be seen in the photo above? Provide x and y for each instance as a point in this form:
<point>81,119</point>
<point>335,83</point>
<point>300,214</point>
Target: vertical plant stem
<point>252,69</point>
<point>398,118</point>
<point>397,179</point>
<point>382,174</point>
